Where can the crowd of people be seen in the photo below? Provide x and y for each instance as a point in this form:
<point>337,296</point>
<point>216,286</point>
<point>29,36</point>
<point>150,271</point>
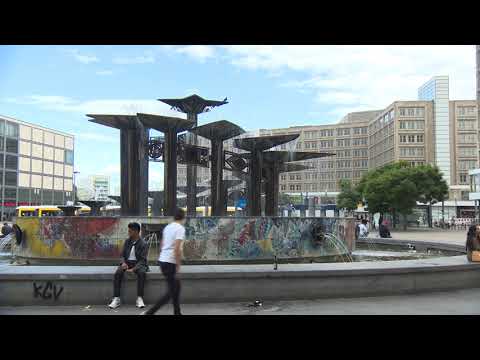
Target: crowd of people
<point>362,228</point>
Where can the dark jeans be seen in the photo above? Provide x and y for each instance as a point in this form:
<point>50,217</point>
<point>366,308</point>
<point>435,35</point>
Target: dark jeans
<point>169,271</point>
<point>117,281</point>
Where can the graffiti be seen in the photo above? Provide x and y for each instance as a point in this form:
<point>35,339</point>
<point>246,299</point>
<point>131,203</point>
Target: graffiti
<point>47,291</point>
<point>207,238</point>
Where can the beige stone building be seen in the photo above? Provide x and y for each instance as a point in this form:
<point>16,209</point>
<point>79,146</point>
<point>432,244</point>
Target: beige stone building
<point>347,140</point>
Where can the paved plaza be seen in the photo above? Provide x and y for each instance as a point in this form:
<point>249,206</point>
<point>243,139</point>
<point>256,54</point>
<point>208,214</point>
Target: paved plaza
<point>462,302</point>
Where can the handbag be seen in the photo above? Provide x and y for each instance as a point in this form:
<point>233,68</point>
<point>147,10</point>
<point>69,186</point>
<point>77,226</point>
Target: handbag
<point>476,256</point>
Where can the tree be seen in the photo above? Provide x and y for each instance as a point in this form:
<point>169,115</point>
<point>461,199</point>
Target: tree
<point>349,197</point>
<point>397,187</point>
<point>431,185</point>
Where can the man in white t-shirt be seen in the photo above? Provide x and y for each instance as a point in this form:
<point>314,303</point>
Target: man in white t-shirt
<point>169,260</point>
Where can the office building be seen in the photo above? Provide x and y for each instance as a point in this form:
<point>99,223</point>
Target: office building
<point>36,165</point>
<point>94,187</point>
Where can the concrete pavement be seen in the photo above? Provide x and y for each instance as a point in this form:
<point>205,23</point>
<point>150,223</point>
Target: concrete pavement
<point>460,302</point>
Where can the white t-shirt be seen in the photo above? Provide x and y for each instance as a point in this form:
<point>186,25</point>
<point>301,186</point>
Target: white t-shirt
<point>171,233</point>
<point>363,230</point>
<point>132,256</point>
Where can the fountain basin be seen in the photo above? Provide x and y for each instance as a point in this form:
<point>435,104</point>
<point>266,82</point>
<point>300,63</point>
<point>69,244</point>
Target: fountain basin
<point>209,240</point>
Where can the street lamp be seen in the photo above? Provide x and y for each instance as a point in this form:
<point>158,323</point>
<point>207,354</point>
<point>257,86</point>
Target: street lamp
<point>75,188</point>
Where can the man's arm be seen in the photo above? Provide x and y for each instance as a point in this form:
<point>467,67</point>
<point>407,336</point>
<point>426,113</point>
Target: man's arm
<point>142,258</point>
<point>178,253</point>
<point>123,259</point>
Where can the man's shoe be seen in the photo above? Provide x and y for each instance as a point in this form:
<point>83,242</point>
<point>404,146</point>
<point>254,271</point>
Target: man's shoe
<point>140,303</point>
<point>115,303</point>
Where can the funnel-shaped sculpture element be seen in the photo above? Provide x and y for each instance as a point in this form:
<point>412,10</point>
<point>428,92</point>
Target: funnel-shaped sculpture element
<point>192,106</point>
<point>256,146</point>
<point>69,210</point>
<point>133,161</point>
<point>217,132</point>
<point>95,206</point>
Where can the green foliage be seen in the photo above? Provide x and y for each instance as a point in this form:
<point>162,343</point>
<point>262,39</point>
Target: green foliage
<point>349,197</point>
<point>399,186</point>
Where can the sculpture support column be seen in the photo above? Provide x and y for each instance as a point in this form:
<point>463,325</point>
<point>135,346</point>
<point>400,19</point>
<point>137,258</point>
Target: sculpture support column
<point>271,190</point>
<point>134,171</point>
<point>192,173</point>
<point>217,186</point>
<point>255,188</point>
<point>170,172</point>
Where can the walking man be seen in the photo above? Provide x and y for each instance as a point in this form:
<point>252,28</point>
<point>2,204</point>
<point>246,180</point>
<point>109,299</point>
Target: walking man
<point>134,259</point>
<point>169,261</point>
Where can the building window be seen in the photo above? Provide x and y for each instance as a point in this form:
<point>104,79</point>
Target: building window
<point>298,187</point>
<point>11,130</point>
<point>69,157</point>
<point>11,146</point>
<point>283,177</point>
<point>299,177</point>
<point>463,178</point>
<point>11,162</point>
<point>419,138</point>
<point>10,178</point>
<point>283,187</point>
<point>292,187</point>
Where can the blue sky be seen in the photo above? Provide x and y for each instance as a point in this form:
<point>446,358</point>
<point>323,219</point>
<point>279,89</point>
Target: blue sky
<point>267,86</point>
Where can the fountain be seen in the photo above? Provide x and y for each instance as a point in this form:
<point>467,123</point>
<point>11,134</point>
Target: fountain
<point>216,239</point>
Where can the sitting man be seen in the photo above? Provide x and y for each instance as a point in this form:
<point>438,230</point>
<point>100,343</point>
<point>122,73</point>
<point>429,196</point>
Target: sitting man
<point>134,259</point>
<point>383,230</point>
<point>363,229</point>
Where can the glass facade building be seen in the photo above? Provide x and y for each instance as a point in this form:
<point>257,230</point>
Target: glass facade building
<point>36,166</point>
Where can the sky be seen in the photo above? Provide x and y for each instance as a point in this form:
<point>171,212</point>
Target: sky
<point>266,86</point>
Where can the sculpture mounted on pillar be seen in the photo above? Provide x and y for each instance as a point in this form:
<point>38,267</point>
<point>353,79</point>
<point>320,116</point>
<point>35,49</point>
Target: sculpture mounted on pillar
<point>192,106</point>
<point>217,132</point>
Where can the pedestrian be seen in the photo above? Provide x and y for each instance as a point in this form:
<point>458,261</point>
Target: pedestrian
<point>134,260</point>
<point>363,229</point>
<point>6,229</point>
<point>169,261</point>
<point>383,230</point>
<point>473,243</point>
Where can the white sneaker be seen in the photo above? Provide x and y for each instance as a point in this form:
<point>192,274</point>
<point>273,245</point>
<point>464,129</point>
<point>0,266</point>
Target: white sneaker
<point>115,303</point>
<point>140,303</point>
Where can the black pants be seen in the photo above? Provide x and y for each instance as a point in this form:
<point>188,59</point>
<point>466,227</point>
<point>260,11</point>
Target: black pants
<point>169,271</point>
<point>117,281</point>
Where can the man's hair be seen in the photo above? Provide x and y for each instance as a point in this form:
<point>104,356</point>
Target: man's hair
<point>364,221</point>
<point>179,214</point>
<point>134,226</point>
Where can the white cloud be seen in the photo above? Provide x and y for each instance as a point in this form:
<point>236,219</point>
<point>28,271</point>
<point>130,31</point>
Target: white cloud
<point>104,72</point>
<point>198,52</point>
<point>100,106</point>
<point>127,60</point>
<point>362,77</point>
<point>83,58</point>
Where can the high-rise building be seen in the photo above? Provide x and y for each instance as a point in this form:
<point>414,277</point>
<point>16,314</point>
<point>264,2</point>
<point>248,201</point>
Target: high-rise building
<point>437,90</point>
<point>36,165</point>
